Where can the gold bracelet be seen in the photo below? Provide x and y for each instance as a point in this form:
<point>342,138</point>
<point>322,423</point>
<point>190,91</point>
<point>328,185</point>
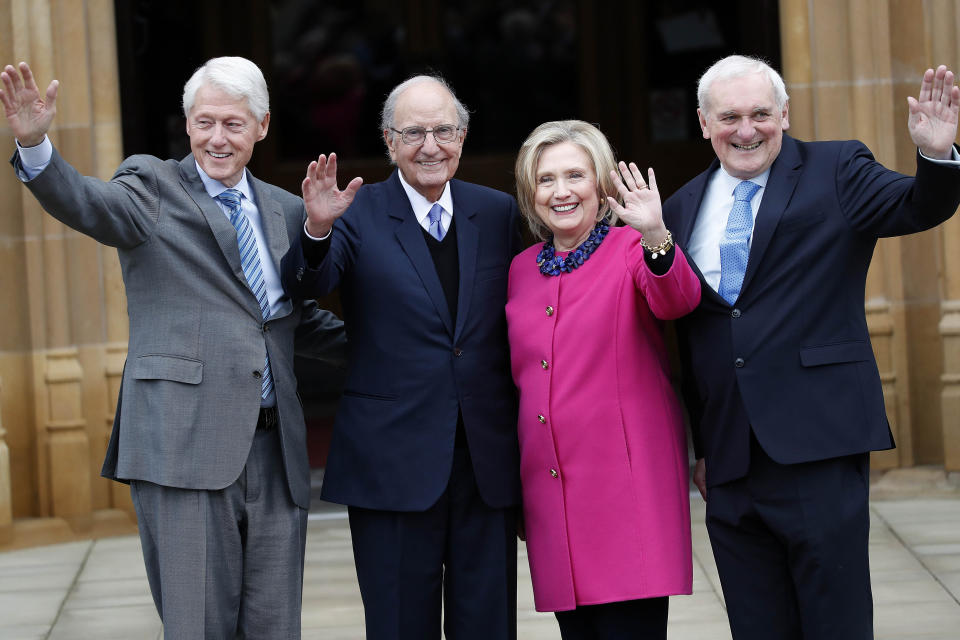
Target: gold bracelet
<point>659,250</point>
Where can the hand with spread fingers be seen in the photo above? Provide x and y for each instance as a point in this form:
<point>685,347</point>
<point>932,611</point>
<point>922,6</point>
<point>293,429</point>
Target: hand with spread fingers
<point>321,197</point>
<point>641,202</point>
<point>28,114</point>
<point>933,114</point>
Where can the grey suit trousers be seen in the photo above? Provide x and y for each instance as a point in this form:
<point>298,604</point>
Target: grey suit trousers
<point>226,564</point>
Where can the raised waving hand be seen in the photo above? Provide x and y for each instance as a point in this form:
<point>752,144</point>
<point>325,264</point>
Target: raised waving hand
<point>321,197</point>
<point>28,113</point>
<point>933,114</point>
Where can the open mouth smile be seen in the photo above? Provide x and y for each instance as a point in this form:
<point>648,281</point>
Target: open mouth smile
<point>747,147</point>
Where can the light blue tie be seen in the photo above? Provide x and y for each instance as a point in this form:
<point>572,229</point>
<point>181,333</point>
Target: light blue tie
<point>250,261</point>
<point>735,244</point>
<point>435,229</point>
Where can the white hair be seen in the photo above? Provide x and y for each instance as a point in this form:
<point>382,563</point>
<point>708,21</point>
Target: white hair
<point>390,104</point>
<point>237,76</point>
<point>737,67</point>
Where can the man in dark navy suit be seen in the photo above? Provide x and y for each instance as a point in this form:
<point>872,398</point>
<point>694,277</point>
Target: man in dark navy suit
<point>780,378</point>
<point>424,449</point>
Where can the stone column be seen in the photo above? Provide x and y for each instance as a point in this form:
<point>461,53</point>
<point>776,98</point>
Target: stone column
<point>943,18</point>
<point>6,500</point>
<point>69,289</point>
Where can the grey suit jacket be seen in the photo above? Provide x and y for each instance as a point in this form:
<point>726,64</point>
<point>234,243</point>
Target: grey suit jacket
<point>191,385</point>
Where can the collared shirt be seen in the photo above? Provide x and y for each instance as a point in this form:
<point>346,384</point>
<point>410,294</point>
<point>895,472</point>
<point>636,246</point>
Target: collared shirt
<point>421,206</point>
<point>35,159</point>
<point>271,277</point>
<point>708,230</point>
<point>711,223</point>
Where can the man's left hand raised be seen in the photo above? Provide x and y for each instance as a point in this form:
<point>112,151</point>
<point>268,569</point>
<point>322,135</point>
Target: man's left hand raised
<point>321,197</point>
<point>933,114</point>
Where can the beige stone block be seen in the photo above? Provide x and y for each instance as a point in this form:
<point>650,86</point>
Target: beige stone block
<point>69,33</point>
<point>16,409</point>
<point>833,108</point>
<point>14,332</point>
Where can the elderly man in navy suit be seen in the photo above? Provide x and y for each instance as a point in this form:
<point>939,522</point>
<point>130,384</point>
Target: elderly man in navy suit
<point>424,448</point>
<point>780,378</point>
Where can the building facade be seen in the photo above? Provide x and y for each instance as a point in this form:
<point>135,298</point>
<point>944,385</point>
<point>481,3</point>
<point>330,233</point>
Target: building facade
<point>848,64</point>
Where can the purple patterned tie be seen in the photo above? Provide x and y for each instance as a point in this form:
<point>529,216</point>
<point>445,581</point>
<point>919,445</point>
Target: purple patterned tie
<point>436,229</point>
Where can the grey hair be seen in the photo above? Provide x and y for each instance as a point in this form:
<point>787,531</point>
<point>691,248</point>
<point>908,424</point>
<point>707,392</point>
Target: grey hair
<point>390,104</point>
<point>737,67</point>
<point>237,76</point>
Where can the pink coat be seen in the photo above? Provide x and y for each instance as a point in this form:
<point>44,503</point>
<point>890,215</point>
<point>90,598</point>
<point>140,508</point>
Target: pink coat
<point>603,456</point>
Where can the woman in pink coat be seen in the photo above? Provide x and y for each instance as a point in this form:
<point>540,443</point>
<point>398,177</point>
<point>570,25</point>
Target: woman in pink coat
<point>603,456</point>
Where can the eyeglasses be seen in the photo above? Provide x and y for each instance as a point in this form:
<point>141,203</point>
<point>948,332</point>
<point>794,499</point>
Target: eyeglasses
<point>442,133</point>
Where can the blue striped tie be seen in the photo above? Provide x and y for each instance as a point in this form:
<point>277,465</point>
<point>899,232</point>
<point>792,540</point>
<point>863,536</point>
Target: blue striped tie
<point>735,244</point>
<point>250,261</point>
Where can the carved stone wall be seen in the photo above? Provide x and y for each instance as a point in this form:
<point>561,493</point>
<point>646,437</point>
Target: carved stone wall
<point>849,66</point>
<point>62,350</point>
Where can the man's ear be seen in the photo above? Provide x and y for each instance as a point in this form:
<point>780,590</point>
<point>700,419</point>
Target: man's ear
<point>703,124</point>
<point>389,139</point>
<point>264,125</point>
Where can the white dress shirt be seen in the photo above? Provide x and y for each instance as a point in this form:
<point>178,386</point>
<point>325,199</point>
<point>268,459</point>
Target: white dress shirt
<point>421,206</point>
<point>708,230</point>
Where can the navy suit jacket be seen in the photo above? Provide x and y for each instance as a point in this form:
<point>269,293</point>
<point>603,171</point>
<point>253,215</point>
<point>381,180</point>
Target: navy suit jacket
<point>411,367</point>
<point>792,359</point>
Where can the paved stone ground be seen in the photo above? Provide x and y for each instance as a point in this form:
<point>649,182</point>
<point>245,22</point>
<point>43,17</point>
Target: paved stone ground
<point>98,589</point>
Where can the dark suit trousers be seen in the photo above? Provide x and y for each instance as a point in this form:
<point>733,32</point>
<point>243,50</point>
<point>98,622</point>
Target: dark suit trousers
<point>459,552</point>
<point>226,564</point>
<point>790,543</point>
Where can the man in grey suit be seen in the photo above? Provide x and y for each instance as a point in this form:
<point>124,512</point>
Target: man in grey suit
<point>209,431</point>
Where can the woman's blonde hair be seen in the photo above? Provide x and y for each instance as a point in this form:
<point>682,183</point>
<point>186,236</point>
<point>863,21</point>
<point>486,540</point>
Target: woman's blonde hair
<point>584,135</point>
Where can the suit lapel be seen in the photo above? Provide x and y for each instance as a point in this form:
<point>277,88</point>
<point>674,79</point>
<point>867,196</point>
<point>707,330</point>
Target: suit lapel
<point>784,175</point>
<point>271,217</point>
<point>410,236</point>
<point>691,199</point>
<point>468,242</point>
<point>223,231</point>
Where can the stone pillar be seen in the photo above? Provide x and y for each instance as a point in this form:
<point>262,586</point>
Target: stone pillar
<point>68,347</point>
<point>943,18</point>
<point>6,503</point>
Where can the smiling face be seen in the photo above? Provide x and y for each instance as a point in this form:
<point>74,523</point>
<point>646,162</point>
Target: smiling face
<point>744,124</point>
<point>566,198</point>
<point>427,167</point>
<point>222,133</point>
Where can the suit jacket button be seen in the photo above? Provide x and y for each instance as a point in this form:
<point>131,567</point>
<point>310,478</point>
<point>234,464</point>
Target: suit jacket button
<point>457,351</point>
<point>544,364</point>
<point>549,310</point>
<point>542,418</point>
<point>257,375</point>
<point>735,313</point>
<point>299,273</point>
<point>553,473</point>
<point>738,363</point>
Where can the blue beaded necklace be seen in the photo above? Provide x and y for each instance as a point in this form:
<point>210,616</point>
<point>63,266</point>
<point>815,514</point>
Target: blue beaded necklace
<point>551,265</point>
